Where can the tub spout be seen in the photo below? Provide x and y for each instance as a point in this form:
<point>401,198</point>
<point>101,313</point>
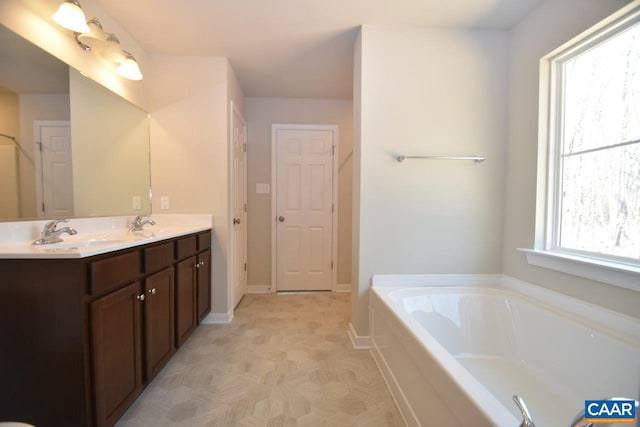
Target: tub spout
<point>579,420</point>
<point>527,420</point>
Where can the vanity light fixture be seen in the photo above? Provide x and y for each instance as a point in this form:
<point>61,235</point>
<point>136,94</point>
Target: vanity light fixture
<point>129,68</point>
<point>95,38</point>
<point>113,52</point>
<point>91,38</point>
<point>70,16</point>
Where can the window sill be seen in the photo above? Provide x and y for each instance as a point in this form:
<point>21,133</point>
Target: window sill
<point>624,276</point>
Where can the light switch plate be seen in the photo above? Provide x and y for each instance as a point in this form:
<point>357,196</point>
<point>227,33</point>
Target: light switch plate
<point>164,202</point>
<point>263,188</point>
<point>137,202</point>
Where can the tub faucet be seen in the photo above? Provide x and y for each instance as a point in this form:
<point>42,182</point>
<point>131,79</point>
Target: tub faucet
<point>527,420</point>
<point>579,420</point>
<point>139,221</point>
<point>51,233</point>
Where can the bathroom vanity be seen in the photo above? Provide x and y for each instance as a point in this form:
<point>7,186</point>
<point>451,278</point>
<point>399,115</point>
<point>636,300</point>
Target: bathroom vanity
<point>82,336</point>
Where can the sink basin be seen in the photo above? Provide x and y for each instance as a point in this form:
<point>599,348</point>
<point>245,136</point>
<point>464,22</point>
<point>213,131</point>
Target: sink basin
<point>87,243</point>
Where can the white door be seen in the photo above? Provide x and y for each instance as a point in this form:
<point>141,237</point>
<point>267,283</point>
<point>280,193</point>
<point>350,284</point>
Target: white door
<point>239,146</point>
<point>304,218</point>
<point>55,175</point>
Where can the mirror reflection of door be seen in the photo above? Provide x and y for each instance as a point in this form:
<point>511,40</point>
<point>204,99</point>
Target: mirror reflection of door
<point>54,174</point>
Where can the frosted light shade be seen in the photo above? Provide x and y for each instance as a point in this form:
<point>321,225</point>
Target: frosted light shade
<point>95,38</point>
<point>129,68</point>
<point>113,52</point>
<point>70,16</point>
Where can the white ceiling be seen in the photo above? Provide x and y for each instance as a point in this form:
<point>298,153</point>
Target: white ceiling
<point>293,48</point>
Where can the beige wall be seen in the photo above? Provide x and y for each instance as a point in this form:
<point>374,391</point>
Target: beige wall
<point>550,25</point>
<point>35,107</point>
<point>430,91</point>
<point>189,109</point>
<point>9,123</point>
<point>110,156</point>
<point>261,114</point>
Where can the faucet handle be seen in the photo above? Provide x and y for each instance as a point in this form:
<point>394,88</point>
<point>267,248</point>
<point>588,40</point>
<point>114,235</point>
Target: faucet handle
<point>527,420</point>
<point>51,225</point>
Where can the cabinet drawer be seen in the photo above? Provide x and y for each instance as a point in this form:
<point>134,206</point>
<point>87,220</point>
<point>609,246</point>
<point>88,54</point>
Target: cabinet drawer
<point>204,241</point>
<point>111,272</point>
<point>158,257</point>
<point>186,247</point>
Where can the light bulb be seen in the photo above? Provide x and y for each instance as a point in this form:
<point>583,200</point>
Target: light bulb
<point>70,16</point>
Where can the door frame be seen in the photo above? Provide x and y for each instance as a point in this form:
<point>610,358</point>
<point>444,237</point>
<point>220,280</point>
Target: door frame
<point>37,150</point>
<point>274,198</point>
<point>231,258</point>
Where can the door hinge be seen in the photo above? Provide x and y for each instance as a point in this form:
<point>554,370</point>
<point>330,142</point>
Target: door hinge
<point>244,147</point>
<point>332,265</point>
<point>43,207</point>
<point>39,146</point>
<point>245,266</point>
<point>333,150</point>
<point>245,207</point>
<point>332,207</point>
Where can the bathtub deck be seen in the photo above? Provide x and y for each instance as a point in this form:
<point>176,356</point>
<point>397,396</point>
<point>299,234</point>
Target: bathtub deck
<point>505,377</point>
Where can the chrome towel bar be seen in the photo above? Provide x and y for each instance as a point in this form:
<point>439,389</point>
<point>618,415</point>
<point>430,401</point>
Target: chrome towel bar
<point>477,159</point>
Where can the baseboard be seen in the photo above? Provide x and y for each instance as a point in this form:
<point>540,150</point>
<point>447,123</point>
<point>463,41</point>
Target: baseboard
<point>342,288</point>
<point>359,342</point>
<point>217,318</point>
<point>258,289</point>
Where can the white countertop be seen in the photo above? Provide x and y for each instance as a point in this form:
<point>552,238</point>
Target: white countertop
<point>95,236</point>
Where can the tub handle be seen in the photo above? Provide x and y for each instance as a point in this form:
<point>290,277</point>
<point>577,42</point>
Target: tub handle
<point>527,420</point>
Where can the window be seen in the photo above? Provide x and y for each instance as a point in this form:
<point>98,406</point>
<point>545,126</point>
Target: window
<point>591,138</point>
<point>597,150</point>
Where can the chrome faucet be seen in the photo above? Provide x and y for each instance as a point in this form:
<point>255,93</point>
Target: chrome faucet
<point>579,420</point>
<point>139,221</point>
<point>527,420</point>
<point>51,233</point>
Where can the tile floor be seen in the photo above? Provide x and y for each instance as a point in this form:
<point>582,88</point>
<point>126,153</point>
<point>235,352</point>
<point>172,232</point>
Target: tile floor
<point>285,360</point>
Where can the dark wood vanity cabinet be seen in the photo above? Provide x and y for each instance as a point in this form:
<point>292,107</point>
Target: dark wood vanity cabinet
<point>83,337</point>
<point>193,284</point>
<point>116,344</point>
<point>204,284</point>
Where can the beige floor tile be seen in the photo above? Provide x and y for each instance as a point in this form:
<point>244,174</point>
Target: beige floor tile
<point>285,360</point>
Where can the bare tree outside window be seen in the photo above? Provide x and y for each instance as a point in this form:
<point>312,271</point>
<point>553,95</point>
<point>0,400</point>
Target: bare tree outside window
<point>599,152</point>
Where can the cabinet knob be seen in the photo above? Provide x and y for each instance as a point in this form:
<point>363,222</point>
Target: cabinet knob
<point>236,221</point>
<point>140,297</point>
<point>152,291</point>
<point>281,218</point>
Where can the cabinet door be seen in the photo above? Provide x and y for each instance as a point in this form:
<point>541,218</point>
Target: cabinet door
<point>185,299</point>
<point>116,328</point>
<point>204,284</point>
<point>159,336</point>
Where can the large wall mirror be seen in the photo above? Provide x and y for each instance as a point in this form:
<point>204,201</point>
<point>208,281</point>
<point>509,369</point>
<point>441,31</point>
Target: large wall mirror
<point>69,146</point>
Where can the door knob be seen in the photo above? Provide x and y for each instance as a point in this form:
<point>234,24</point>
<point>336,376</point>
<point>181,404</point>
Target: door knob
<point>281,218</point>
<point>236,221</point>
<point>152,291</point>
<point>140,297</point>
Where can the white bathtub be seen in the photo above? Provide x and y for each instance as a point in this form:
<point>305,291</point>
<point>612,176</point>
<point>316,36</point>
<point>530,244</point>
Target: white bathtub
<point>455,355</point>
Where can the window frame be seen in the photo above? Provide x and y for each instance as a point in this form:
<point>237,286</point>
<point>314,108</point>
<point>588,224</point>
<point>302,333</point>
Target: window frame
<point>547,252</point>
